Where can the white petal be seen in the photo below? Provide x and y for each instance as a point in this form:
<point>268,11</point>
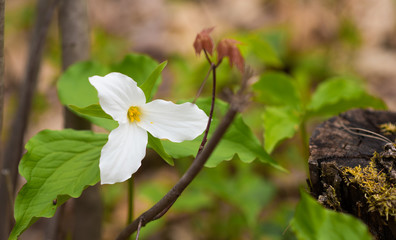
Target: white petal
<point>117,92</point>
<point>123,153</point>
<point>176,122</point>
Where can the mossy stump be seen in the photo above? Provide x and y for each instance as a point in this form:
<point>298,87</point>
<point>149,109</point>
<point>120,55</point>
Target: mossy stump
<point>345,176</point>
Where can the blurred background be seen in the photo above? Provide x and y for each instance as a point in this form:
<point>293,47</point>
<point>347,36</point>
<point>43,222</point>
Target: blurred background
<point>314,39</point>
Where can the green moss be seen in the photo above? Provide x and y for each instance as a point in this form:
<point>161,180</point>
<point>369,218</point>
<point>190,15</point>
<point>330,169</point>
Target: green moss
<point>388,128</point>
<point>380,194</point>
<point>329,198</point>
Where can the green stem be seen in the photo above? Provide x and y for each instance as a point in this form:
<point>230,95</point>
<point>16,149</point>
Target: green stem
<point>130,201</point>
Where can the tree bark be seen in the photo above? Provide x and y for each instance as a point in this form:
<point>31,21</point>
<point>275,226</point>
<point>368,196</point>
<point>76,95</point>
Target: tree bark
<point>333,147</point>
<point>2,9</point>
<point>74,28</point>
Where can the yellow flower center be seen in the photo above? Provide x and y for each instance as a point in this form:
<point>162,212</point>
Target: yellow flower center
<point>133,114</point>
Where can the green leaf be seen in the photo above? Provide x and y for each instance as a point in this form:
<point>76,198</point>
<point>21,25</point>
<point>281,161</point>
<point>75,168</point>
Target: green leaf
<point>138,67</point>
<point>314,222</point>
<point>277,89</point>
<point>148,85</point>
<point>75,89</point>
<point>156,145</point>
<point>58,165</point>
<point>239,141</point>
<point>259,47</point>
<point>337,95</point>
<point>93,110</point>
<point>279,123</point>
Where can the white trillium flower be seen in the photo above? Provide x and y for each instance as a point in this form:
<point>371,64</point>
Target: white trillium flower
<point>121,98</point>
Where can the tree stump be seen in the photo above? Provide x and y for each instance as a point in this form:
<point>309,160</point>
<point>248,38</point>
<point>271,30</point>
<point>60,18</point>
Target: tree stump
<point>337,181</point>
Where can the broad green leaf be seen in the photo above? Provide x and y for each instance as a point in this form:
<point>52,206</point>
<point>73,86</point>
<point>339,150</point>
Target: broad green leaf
<point>337,95</point>
<point>93,110</point>
<point>239,141</point>
<point>75,89</point>
<point>279,123</point>
<point>148,85</point>
<point>314,222</point>
<point>276,88</point>
<point>156,145</point>
<point>58,165</point>
<point>139,68</point>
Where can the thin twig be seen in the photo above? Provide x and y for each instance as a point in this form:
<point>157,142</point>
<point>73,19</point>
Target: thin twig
<point>205,138</point>
<point>213,70</point>
<point>207,57</point>
<point>138,230</point>
<point>212,67</point>
<point>203,84</point>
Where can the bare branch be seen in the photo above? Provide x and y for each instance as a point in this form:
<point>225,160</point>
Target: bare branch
<point>13,151</point>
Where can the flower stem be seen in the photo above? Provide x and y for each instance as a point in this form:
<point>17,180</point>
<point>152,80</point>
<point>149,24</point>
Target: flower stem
<point>130,201</point>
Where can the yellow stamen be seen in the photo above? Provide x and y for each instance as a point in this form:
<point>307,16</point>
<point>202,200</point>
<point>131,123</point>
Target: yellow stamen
<point>133,114</point>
